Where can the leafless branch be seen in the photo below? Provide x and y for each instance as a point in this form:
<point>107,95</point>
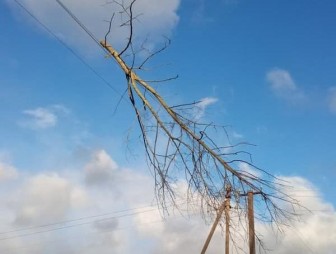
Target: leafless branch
<point>109,29</point>
<point>129,12</point>
<point>178,145</point>
<point>162,80</point>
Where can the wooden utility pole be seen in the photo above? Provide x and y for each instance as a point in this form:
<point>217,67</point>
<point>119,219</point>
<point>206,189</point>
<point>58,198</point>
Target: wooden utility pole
<point>227,221</point>
<point>219,215</point>
<point>251,231</point>
<point>225,206</point>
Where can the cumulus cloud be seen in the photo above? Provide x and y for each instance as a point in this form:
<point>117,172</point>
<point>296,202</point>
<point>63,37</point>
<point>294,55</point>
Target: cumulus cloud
<point>43,117</point>
<point>107,225</point>
<point>283,86</point>
<point>315,229</point>
<point>173,234</point>
<point>100,169</point>
<point>45,198</point>
<point>332,99</point>
<point>281,80</point>
<point>122,218</point>
<point>7,172</point>
<point>312,231</point>
<point>156,18</point>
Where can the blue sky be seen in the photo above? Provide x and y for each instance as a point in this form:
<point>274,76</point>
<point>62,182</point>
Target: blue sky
<point>267,65</point>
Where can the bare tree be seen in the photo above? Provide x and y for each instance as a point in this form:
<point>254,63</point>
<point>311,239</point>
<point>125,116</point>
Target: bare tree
<point>179,145</point>
<point>177,142</point>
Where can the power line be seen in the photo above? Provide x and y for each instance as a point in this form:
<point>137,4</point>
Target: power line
<point>109,230</point>
<point>71,220</point>
<point>89,217</point>
<point>74,225</point>
<point>67,47</point>
<point>81,25</point>
<point>305,244</point>
<point>79,219</point>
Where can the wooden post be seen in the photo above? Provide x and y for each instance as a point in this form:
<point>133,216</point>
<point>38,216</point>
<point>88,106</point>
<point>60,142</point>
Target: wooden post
<point>225,206</point>
<point>251,222</point>
<point>219,215</point>
<point>227,224</point>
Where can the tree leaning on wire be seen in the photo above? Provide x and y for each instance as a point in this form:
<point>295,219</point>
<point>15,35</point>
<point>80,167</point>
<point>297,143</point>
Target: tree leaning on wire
<point>178,144</point>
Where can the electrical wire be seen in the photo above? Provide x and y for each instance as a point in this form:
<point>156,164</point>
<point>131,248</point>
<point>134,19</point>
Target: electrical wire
<point>89,235</point>
<point>305,244</point>
<point>109,85</point>
<point>71,220</point>
<point>85,218</point>
<point>114,229</point>
<point>67,47</point>
<point>85,223</point>
<point>75,225</point>
<point>81,25</point>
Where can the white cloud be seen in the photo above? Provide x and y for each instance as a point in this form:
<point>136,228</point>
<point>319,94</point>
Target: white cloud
<point>121,219</point>
<point>314,231</point>
<point>157,18</point>
<point>202,105</point>
<point>308,195</point>
<point>281,80</point>
<point>43,117</point>
<point>332,99</point>
<point>7,172</point>
<point>46,198</point>
<point>205,102</point>
<point>283,86</point>
<point>249,170</point>
<point>100,169</point>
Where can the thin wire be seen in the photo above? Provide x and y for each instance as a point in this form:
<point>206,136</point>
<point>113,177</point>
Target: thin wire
<point>81,25</point>
<point>107,231</point>
<point>67,47</point>
<point>75,225</point>
<point>72,220</point>
<point>305,244</point>
<point>73,16</point>
<point>82,218</point>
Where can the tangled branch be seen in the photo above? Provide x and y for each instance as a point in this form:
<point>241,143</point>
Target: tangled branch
<point>178,146</point>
